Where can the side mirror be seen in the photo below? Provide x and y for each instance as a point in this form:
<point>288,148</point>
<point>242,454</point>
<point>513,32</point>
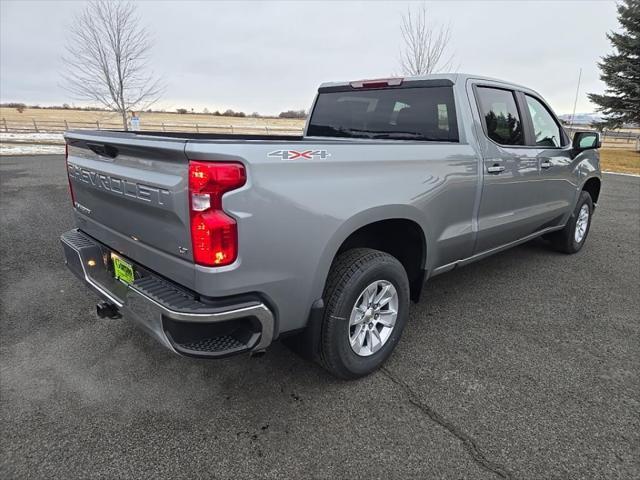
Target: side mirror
<point>586,141</point>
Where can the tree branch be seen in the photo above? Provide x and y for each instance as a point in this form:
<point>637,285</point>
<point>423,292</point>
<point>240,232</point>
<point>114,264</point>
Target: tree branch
<point>425,47</point>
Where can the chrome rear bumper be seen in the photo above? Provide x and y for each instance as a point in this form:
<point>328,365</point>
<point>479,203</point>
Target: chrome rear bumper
<point>173,315</point>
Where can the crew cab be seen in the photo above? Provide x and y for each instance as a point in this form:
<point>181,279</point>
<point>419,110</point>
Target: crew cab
<point>219,244</point>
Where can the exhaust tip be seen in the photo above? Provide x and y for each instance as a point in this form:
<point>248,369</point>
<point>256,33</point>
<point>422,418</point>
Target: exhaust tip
<point>107,310</point>
<point>257,353</point>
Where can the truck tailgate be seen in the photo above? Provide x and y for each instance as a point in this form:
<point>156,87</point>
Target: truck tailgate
<point>132,194</point>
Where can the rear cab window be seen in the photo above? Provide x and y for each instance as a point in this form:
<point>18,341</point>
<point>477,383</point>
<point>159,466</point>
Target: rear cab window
<point>406,113</point>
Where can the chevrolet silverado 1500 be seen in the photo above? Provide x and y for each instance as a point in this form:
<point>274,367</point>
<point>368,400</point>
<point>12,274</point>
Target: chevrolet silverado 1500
<point>220,244</point>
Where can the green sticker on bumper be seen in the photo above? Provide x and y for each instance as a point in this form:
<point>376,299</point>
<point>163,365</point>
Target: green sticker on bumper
<point>123,270</point>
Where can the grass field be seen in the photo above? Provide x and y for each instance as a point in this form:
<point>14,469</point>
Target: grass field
<point>54,120</point>
<point>619,160</point>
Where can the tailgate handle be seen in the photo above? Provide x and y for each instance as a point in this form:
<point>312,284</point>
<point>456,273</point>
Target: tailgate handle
<point>103,150</point>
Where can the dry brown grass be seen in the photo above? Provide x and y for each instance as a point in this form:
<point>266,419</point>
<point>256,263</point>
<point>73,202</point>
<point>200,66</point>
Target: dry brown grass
<point>619,160</point>
<point>619,143</point>
<point>54,119</point>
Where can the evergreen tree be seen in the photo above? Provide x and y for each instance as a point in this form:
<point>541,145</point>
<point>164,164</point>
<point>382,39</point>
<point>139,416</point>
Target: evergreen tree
<point>621,70</point>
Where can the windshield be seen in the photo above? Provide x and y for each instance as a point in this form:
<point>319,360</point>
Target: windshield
<point>425,113</point>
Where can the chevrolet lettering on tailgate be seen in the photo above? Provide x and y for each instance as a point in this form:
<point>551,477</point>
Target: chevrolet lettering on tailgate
<point>120,186</point>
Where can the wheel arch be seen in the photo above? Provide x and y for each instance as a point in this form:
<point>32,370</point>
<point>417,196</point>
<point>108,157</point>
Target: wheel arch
<point>357,232</point>
<point>307,342</point>
<point>592,186</point>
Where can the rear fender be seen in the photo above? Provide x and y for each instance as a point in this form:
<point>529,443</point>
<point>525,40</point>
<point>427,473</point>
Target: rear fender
<point>362,219</point>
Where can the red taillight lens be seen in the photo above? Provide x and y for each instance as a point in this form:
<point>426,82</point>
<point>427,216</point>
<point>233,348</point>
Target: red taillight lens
<point>214,234</point>
<point>66,162</point>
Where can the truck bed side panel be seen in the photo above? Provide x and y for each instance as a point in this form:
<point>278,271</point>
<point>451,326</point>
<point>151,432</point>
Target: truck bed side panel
<point>294,214</point>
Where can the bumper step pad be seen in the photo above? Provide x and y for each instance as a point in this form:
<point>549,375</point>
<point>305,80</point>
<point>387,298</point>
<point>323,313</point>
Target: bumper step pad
<point>216,344</point>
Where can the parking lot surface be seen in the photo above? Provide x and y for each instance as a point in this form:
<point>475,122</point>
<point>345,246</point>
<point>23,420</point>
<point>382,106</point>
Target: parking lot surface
<point>524,365</point>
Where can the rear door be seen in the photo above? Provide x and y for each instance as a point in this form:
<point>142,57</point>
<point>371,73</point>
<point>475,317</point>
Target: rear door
<point>131,193</point>
<point>509,205</point>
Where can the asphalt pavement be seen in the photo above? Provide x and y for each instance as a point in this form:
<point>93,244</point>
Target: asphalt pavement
<point>524,365</point>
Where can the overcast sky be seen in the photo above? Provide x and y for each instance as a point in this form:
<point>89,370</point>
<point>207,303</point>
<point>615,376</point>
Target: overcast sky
<point>271,56</point>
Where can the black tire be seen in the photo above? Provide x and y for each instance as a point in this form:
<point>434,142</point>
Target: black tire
<point>351,272</point>
<point>564,240</point>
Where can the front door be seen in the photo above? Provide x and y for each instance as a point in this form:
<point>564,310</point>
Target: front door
<point>557,187</point>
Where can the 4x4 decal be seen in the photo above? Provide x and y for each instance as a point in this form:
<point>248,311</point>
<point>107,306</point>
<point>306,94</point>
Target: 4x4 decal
<point>295,154</point>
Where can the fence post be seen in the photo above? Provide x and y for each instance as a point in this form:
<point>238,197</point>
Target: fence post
<point>4,120</point>
<point>163,129</point>
<point>266,127</point>
<point>35,126</point>
<point>197,128</point>
<point>98,124</point>
<point>231,128</point>
<point>66,125</point>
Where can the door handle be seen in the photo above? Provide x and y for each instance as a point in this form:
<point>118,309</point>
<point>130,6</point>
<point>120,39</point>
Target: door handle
<point>545,164</point>
<point>496,169</point>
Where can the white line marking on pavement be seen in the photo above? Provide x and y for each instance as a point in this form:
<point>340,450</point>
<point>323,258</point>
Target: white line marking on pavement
<point>620,173</point>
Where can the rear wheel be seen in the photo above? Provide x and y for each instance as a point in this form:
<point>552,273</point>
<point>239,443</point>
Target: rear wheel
<point>573,236</point>
<point>367,302</point>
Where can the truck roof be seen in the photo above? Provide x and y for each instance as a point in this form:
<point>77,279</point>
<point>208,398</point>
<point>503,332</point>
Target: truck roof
<point>453,77</point>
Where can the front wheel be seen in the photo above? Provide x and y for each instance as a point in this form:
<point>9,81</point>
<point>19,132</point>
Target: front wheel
<point>573,236</point>
<point>367,303</point>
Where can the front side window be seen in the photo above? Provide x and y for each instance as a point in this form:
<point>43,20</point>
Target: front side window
<point>500,114</point>
<point>545,128</point>
<point>420,113</point>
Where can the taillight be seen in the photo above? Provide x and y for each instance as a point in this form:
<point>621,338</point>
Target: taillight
<point>214,234</point>
<point>66,162</point>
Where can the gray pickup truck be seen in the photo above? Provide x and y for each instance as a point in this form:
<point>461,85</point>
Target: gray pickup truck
<point>220,244</point>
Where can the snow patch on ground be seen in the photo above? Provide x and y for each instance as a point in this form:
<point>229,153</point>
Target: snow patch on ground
<point>30,149</point>
<point>48,138</point>
<point>31,143</point>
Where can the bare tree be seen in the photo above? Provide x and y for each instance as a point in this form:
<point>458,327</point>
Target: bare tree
<point>425,45</point>
<point>106,59</point>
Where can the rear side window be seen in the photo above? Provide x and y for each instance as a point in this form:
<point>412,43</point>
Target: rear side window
<point>500,115</point>
<point>425,113</point>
